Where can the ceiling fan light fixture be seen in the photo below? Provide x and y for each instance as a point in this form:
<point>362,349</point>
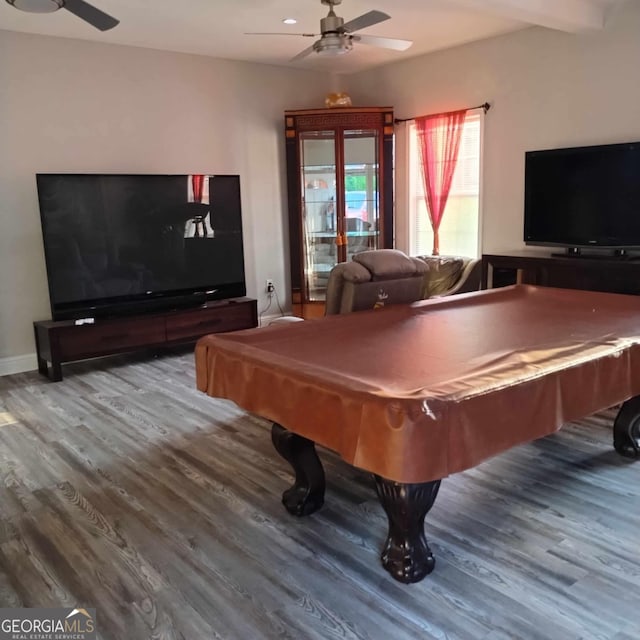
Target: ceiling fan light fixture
<point>37,6</point>
<point>333,44</point>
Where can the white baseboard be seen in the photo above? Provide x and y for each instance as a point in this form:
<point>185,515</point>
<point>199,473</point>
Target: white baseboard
<point>18,364</point>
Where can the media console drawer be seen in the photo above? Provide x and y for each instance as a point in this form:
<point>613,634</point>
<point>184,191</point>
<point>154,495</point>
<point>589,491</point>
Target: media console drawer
<point>88,340</point>
<point>63,341</point>
<point>197,323</point>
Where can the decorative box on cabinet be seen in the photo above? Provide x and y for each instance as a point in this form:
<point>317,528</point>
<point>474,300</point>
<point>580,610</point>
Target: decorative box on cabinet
<point>63,341</point>
<point>340,192</point>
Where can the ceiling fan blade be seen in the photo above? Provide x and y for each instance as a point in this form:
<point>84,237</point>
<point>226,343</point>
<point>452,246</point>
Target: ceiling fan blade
<point>365,20</point>
<point>303,54</point>
<point>90,14</point>
<point>282,33</point>
<point>386,43</point>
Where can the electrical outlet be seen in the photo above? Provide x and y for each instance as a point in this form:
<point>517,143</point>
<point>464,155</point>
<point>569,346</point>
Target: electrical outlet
<point>270,287</point>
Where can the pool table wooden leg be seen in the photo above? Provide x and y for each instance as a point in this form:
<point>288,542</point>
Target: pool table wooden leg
<point>306,495</point>
<point>406,554</point>
<point>626,429</point>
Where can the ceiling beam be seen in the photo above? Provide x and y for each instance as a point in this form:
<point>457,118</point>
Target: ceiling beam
<point>565,15</point>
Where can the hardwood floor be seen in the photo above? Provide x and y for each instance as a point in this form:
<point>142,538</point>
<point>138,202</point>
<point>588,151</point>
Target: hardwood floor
<point>125,489</point>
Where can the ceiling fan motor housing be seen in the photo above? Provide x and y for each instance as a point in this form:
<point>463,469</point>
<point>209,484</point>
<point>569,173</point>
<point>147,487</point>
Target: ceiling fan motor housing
<point>331,24</point>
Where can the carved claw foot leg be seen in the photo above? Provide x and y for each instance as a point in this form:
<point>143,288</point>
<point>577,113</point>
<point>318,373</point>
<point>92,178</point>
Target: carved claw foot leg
<point>307,493</point>
<point>406,555</point>
<point>626,429</point>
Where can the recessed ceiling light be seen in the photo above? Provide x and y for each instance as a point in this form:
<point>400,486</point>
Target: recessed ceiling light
<point>290,21</point>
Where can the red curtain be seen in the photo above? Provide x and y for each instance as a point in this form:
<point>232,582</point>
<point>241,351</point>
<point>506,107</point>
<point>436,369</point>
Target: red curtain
<point>197,182</point>
<point>439,142</point>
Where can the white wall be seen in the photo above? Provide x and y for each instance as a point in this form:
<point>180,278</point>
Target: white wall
<point>68,105</point>
<point>547,89</point>
<point>75,106</point>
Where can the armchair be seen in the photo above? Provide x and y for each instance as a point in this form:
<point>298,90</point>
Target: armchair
<point>388,276</point>
<point>357,285</point>
<point>374,278</point>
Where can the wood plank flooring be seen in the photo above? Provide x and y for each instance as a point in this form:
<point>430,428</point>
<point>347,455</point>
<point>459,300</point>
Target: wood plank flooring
<point>124,489</point>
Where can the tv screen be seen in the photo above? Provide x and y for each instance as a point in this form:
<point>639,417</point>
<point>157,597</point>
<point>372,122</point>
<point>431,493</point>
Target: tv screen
<point>583,196</point>
<point>128,243</point>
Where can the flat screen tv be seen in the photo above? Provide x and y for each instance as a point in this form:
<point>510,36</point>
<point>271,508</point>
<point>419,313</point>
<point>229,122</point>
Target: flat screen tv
<point>583,197</point>
<point>118,244</point>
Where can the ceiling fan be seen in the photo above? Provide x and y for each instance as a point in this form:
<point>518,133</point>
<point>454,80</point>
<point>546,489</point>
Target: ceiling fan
<point>80,8</point>
<point>337,36</point>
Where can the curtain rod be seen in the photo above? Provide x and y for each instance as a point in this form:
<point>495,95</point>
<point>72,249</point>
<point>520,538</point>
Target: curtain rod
<point>485,107</point>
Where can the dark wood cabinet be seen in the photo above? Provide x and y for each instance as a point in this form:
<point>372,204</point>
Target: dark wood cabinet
<point>592,273</point>
<point>63,341</point>
<point>340,184</point>
<point>190,325</point>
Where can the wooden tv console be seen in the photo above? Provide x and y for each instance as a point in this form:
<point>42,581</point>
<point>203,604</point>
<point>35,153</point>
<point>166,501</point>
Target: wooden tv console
<point>64,340</point>
<point>591,273</point>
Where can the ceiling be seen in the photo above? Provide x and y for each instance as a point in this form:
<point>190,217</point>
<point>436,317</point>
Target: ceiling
<point>217,27</point>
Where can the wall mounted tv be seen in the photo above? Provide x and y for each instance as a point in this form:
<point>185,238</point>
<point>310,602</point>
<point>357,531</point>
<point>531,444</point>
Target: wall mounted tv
<point>118,244</point>
<point>583,197</point>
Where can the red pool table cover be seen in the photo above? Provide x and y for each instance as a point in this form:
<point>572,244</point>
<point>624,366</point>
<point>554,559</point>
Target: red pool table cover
<point>416,392</point>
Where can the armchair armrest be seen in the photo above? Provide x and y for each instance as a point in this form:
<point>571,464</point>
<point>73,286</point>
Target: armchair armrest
<point>469,278</point>
<point>447,275</point>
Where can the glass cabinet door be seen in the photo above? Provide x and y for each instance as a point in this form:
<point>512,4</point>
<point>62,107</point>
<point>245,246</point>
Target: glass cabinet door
<point>361,212</point>
<point>320,214</point>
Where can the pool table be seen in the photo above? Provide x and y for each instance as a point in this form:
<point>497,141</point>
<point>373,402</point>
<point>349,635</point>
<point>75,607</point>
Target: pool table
<point>414,393</point>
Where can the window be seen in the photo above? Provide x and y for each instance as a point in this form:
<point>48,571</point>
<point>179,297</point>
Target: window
<point>460,225</point>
